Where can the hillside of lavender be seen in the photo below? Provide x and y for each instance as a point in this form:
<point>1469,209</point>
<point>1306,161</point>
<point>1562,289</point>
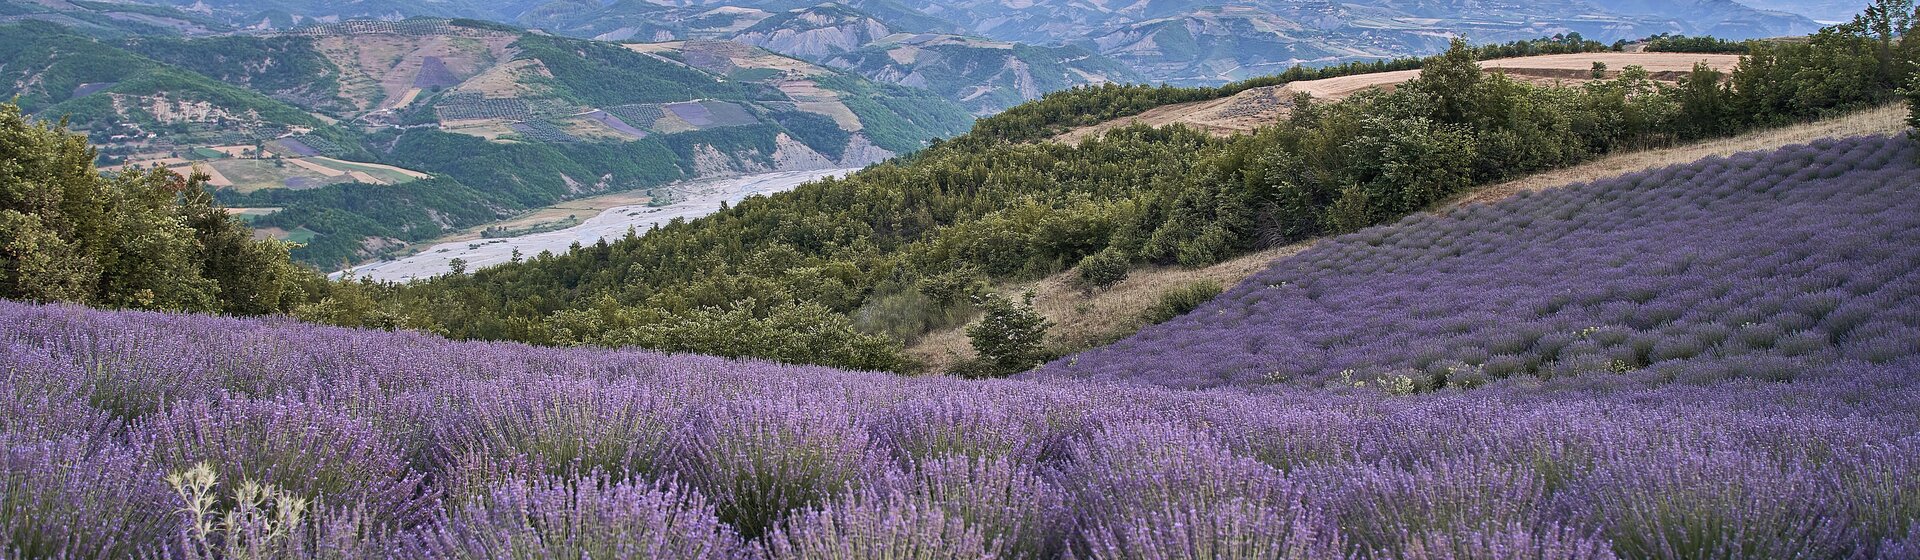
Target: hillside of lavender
<point>1709,362</point>
<point>1762,266</point>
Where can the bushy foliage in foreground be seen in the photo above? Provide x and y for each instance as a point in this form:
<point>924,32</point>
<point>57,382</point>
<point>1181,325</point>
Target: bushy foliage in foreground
<point>1761,265</point>
<point>140,238</point>
<point>296,441</point>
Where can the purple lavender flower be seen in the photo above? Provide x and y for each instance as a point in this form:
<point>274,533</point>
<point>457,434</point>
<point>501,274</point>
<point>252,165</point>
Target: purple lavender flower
<point>588,517</point>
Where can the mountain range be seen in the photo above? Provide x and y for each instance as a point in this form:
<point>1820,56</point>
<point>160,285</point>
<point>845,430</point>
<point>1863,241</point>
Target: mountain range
<point>1071,42</point>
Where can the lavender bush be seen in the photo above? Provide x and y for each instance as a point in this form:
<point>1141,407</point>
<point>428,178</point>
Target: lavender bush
<point>1712,361</point>
<point>587,517</point>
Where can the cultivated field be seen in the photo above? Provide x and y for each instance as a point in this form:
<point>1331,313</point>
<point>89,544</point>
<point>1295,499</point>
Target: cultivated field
<point>1251,109</point>
<point>385,71</point>
<point>792,76</point>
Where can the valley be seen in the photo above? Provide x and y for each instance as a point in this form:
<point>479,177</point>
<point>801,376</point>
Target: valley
<point>678,202</point>
<point>370,137</point>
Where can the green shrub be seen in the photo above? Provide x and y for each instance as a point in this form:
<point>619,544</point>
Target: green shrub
<point>1102,270</point>
<point>1008,339</point>
<point>1182,300</point>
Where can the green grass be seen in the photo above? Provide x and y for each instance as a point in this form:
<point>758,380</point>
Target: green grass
<point>753,74</point>
<point>301,235</point>
<point>388,175</point>
<point>249,175</point>
<point>251,215</point>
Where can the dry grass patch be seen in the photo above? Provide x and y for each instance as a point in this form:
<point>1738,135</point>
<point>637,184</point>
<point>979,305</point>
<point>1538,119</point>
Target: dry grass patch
<point>1081,320</point>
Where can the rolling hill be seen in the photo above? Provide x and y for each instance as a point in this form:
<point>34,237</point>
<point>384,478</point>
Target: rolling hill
<point>985,76</point>
<point>127,101</point>
<point>1656,275</point>
<point>1821,10</point>
<point>1180,42</point>
<point>1208,44</point>
<point>1084,320</point>
<point>110,19</point>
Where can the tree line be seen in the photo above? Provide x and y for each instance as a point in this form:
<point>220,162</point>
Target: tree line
<point>1063,110</point>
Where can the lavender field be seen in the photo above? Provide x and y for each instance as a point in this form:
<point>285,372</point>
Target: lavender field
<point>1763,266</point>
<point>1710,362</point>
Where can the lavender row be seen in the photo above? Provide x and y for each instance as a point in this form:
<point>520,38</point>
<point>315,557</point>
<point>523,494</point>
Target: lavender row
<point>1761,265</point>
<point>135,434</point>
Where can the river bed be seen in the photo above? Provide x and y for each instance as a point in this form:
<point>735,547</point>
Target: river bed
<point>697,199</point>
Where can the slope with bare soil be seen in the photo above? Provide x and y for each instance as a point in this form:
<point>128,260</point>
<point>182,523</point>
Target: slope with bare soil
<point>1082,321</point>
<point>384,71</point>
<point>1253,108</point>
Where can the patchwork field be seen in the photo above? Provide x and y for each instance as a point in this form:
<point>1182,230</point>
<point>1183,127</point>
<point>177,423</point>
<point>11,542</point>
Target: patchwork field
<point>238,168</point>
<point>248,175</point>
<point>386,71</point>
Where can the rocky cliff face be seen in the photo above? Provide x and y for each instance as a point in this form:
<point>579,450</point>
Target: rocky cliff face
<point>815,33</point>
<point>788,155</point>
<point>983,75</point>
<point>1819,10</point>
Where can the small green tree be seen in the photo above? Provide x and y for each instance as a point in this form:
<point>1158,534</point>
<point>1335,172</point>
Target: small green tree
<point>1599,70</point>
<point>1913,105</point>
<point>1102,270</point>
<point>1706,103</point>
<point>955,286</point>
<point>1009,337</point>
<point>1451,79</point>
